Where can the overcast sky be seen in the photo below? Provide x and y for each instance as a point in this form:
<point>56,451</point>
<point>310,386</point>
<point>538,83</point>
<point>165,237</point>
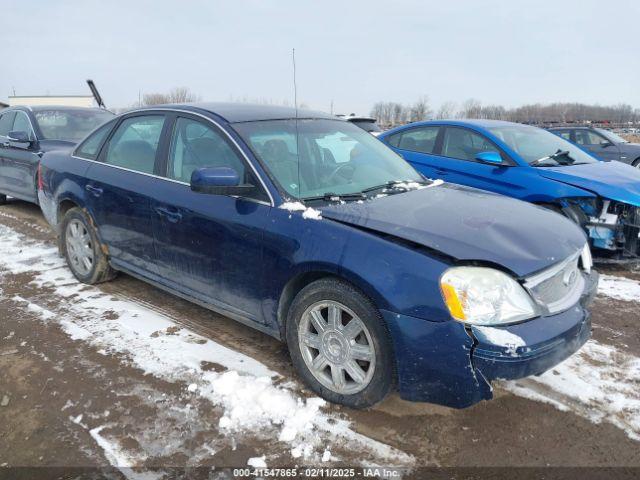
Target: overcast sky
<point>352,52</point>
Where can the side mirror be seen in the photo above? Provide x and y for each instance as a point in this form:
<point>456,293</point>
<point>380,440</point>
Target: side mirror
<point>21,138</point>
<point>218,181</point>
<point>605,143</point>
<point>492,158</point>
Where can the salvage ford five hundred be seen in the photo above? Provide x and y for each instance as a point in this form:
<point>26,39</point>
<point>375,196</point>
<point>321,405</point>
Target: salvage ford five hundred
<point>308,228</point>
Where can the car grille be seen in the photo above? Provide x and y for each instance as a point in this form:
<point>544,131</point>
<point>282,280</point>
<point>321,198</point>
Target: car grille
<point>558,287</point>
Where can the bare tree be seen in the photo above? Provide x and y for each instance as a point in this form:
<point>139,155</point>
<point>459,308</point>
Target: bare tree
<point>446,110</point>
<point>176,95</point>
<point>471,108</point>
<point>420,110</point>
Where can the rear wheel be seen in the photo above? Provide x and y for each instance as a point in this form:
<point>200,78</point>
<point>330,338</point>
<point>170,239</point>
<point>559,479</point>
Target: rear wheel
<point>339,344</point>
<point>3,199</point>
<point>81,248</point>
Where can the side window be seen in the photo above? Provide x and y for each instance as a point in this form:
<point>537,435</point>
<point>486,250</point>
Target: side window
<point>90,147</point>
<point>464,144</point>
<point>566,134</point>
<point>21,123</point>
<point>196,145</point>
<point>135,142</point>
<point>421,139</point>
<point>587,137</point>
<point>6,123</point>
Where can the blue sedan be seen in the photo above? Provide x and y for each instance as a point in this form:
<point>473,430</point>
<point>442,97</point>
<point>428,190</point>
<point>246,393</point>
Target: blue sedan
<point>306,227</point>
<point>534,165</point>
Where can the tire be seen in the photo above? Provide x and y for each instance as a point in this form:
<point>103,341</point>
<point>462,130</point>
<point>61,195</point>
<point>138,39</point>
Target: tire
<point>3,199</point>
<point>335,354</point>
<point>636,163</point>
<point>78,241</point>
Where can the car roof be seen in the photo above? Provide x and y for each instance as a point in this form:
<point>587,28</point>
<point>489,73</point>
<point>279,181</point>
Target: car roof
<point>477,123</point>
<point>572,127</point>
<point>246,112</point>
<point>40,108</point>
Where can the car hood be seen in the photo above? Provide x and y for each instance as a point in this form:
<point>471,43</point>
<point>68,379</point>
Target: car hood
<point>468,225</point>
<point>613,180</point>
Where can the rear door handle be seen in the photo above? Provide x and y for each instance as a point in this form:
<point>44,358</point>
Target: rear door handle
<point>172,216</point>
<point>95,191</point>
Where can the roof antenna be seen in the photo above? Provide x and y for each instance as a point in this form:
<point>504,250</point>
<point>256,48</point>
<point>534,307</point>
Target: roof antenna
<point>295,105</point>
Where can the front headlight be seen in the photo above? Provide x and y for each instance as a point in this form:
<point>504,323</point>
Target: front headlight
<point>485,296</point>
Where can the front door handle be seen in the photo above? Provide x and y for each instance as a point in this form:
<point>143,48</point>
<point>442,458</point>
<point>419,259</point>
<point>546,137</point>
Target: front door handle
<point>172,216</point>
<point>95,191</point>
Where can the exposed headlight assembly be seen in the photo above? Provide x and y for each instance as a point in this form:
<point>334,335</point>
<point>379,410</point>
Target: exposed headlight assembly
<point>485,296</point>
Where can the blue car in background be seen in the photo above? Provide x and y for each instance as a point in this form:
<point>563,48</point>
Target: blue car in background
<point>306,227</point>
<point>534,165</point>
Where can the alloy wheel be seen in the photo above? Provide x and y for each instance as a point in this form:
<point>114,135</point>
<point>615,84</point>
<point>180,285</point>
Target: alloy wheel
<point>79,247</point>
<point>337,347</point>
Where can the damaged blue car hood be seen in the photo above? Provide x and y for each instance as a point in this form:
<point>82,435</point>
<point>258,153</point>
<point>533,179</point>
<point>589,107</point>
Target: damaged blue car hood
<point>612,180</point>
<point>468,224</point>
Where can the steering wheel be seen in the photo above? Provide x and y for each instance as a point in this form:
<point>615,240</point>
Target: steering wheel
<point>338,169</point>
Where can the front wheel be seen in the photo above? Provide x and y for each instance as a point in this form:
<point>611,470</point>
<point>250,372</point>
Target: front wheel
<point>81,248</point>
<point>636,163</point>
<point>339,344</point>
<point>3,199</point>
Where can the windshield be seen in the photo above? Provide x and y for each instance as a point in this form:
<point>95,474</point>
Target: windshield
<point>70,125</point>
<point>611,136</point>
<point>334,157</point>
<point>534,144</point>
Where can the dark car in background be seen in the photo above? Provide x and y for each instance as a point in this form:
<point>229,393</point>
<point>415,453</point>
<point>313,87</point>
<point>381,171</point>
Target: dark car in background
<point>304,226</point>
<point>603,144</point>
<point>27,132</point>
<point>368,124</point>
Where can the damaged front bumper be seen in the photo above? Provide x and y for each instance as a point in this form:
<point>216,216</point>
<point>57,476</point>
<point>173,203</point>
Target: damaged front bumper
<point>451,364</point>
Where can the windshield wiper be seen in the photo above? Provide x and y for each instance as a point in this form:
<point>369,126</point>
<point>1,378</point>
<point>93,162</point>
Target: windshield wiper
<point>336,197</point>
<point>555,156</point>
<point>393,184</point>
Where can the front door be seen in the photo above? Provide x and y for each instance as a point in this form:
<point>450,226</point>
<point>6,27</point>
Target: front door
<point>119,187</point>
<point>597,144</point>
<point>209,246</point>
<point>456,158</point>
<point>20,161</point>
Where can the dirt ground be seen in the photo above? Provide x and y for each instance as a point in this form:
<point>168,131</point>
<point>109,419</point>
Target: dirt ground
<point>56,391</point>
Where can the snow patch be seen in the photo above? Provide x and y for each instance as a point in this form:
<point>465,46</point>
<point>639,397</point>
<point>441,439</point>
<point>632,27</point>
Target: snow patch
<point>307,212</point>
<point>500,337</point>
<point>598,382</point>
<point>247,393</point>
<point>257,462</point>
<point>619,288</point>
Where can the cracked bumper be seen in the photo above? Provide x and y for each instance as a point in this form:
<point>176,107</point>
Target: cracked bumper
<point>448,364</point>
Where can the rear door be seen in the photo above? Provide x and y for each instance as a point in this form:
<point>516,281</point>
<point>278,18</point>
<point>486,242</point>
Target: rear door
<point>597,144</point>
<point>119,187</point>
<point>209,246</point>
<point>20,161</point>
<point>417,145</point>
